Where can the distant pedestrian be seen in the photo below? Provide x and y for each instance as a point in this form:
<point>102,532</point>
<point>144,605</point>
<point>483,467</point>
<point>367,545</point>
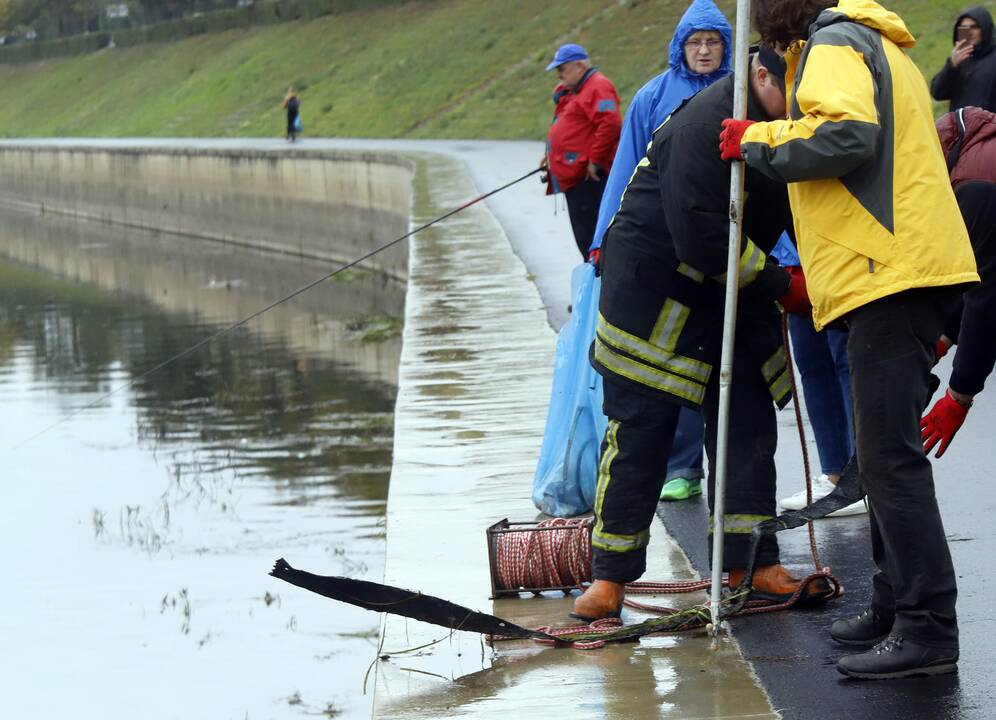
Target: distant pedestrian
<point>969,75</point>
<point>582,139</point>
<point>292,104</point>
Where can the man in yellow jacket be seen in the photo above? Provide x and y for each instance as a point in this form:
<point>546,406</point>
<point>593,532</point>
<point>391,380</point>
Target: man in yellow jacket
<point>886,254</point>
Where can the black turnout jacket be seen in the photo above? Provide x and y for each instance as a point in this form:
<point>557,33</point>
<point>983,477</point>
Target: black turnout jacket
<point>665,255</point>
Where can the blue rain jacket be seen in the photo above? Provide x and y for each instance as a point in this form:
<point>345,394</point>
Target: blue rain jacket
<point>659,98</point>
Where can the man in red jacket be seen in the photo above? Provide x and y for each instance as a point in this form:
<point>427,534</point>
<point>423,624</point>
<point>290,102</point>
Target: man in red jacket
<point>582,139</point>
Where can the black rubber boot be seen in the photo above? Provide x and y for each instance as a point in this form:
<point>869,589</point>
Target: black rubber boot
<point>865,630</point>
<point>896,657</point>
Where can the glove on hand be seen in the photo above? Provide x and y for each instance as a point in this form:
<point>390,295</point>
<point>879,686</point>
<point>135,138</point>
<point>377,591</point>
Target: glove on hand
<point>595,258</point>
<point>941,348</point>
<point>941,423</point>
<point>729,138</point>
<point>796,298</point>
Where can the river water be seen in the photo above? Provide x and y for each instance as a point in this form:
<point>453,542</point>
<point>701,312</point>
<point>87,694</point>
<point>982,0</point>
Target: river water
<point>143,508</point>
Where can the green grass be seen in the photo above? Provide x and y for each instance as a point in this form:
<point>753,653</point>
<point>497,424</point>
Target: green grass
<point>432,68</point>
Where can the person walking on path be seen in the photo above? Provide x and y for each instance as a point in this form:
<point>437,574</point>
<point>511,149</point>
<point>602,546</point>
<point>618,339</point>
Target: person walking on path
<point>885,251</point>
<point>699,54</point>
<point>292,104</point>
<point>659,334</point>
<point>582,139</point>
<point>968,138</point>
<point>969,75</point>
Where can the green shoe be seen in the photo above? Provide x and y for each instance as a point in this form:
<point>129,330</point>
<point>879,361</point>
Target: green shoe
<point>680,488</point>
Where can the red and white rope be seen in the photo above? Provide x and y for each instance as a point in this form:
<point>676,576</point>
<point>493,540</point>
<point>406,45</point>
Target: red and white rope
<point>556,554</point>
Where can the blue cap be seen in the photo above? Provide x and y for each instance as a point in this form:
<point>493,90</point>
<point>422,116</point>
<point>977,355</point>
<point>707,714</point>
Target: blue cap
<point>567,53</point>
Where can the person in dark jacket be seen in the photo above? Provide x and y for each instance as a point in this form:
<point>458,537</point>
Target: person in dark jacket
<point>659,333</point>
<point>968,138</point>
<point>582,139</point>
<point>292,104</point>
<point>699,54</point>
<point>969,75</point>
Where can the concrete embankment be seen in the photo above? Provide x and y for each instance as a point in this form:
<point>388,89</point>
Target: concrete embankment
<point>328,205</point>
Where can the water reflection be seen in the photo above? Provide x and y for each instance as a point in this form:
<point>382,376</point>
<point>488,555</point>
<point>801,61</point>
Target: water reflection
<point>155,512</point>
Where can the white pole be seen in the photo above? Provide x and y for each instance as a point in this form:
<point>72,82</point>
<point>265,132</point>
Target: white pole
<point>741,70</point>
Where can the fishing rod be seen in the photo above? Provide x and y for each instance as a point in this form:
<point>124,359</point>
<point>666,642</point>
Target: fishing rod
<point>290,296</point>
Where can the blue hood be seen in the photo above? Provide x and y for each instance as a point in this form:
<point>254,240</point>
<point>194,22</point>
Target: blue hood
<point>701,15</point>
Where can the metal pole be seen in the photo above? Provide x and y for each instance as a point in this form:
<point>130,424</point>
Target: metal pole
<point>741,70</point>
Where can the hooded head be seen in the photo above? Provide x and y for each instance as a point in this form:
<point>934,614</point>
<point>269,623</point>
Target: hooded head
<point>985,22</point>
<point>700,15</point>
<point>870,14</point>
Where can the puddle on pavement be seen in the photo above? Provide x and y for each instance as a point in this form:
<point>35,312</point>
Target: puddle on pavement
<point>140,525</point>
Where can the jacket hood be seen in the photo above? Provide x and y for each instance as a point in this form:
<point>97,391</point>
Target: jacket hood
<point>870,14</point>
<point>985,20</point>
<point>980,126</point>
<point>700,15</point>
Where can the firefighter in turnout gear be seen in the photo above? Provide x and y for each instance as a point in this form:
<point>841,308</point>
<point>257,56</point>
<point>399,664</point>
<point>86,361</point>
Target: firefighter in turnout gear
<point>659,335</point>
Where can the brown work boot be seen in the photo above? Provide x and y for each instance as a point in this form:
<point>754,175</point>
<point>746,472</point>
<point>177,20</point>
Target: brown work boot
<point>602,599</point>
<point>774,583</point>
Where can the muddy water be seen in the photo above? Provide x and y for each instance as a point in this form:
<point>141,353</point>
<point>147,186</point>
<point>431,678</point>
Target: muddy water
<point>142,510</point>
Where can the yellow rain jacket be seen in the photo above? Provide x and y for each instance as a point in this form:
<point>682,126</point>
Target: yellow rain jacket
<point>873,207</point>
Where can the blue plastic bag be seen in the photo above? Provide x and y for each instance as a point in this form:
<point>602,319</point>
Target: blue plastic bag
<point>298,127</point>
<point>564,485</point>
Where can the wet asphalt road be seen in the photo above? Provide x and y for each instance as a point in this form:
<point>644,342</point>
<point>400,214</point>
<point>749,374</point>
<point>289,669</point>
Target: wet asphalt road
<point>791,651</point>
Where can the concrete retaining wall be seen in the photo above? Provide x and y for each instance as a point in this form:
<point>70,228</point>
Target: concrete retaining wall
<point>333,206</point>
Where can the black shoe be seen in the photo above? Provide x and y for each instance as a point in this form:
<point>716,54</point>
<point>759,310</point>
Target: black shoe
<point>896,657</point>
<point>867,629</point>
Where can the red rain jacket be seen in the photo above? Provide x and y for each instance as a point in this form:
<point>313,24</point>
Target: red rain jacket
<point>585,129</point>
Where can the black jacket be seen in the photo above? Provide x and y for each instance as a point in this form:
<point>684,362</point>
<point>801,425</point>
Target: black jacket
<point>664,261</point>
<point>976,336</point>
<point>973,83</point>
<point>676,206</point>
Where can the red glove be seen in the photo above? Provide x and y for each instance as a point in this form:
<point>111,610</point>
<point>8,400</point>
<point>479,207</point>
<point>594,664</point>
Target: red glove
<point>796,298</point>
<point>595,258</point>
<point>941,423</point>
<point>941,348</point>
<point>729,138</point>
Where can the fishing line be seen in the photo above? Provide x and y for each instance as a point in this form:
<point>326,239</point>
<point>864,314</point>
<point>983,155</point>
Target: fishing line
<point>234,326</point>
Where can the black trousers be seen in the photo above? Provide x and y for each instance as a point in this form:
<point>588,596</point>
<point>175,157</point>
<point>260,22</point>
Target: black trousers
<point>582,206</point>
<point>634,459</point>
<point>890,351</point>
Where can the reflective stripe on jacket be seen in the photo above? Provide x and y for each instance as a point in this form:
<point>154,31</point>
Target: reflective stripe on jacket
<point>874,211</point>
<point>664,262</point>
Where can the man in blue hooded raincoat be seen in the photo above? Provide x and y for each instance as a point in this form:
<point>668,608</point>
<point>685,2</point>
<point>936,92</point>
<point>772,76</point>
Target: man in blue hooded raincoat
<point>700,53</point>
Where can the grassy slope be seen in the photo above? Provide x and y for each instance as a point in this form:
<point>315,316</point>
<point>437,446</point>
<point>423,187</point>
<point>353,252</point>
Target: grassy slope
<point>433,68</point>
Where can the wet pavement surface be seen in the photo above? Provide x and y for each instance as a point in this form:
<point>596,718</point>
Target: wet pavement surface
<point>792,653</point>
